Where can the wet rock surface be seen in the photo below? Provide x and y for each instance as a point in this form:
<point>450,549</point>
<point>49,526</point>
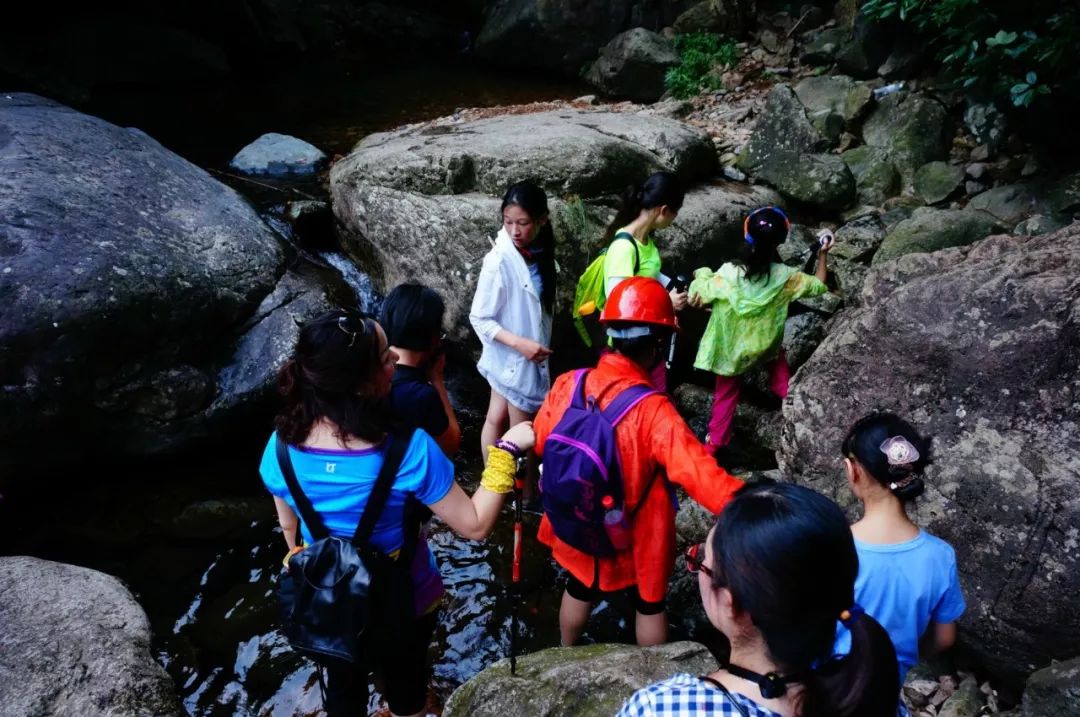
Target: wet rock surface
<point>75,642</point>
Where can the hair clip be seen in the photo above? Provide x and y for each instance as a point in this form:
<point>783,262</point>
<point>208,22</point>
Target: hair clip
<point>899,451</point>
<point>342,323</point>
<point>902,483</point>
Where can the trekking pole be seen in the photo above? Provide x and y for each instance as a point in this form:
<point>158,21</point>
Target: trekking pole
<point>515,570</point>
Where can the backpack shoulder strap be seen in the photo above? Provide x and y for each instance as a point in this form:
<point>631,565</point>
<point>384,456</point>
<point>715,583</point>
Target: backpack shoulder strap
<point>633,242</point>
<point>308,513</point>
<point>395,452</point>
<point>626,400</point>
<point>577,394</point>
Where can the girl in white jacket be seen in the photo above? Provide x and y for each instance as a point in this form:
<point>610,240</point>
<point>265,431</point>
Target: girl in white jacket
<point>511,311</point>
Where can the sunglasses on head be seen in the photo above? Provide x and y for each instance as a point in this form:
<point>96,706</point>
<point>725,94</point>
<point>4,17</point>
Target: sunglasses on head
<point>695,560</point>
<point>344,323</point>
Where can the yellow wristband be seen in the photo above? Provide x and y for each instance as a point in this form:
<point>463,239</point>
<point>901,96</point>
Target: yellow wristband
<point>291,553</point>
<point>498,476</point>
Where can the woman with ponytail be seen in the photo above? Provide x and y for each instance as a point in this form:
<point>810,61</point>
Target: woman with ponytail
<point>511,312</point>
<point>632,250</point>
<point>337,426</point>
<point>907,577</point>
<point>776,573</point>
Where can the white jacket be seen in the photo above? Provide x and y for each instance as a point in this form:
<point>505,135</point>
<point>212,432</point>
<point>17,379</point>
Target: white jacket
<point>507,299</point>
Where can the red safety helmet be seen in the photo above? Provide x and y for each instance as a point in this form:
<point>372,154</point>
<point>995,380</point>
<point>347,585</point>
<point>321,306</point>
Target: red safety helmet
<point>640,300</point>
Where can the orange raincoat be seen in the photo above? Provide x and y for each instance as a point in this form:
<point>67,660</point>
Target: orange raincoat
<point>652,437</point>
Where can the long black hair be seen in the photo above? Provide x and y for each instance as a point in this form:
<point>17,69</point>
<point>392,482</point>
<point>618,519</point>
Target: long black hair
<point>868,442</point>
<point>764,230</point>
<point>330,375</point>
<point>660,189</point>
<point>788,558</point>
<point>533,201</point>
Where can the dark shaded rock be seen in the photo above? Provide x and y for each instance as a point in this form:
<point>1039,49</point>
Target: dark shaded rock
<point>978,346</point>
<point>128,275</point>
<point>823,49</point>
<point>825,99</point>
<point>783,128</point>
<point>864,50</point>
<point>930,230</point>
<point>1042,224</point>
<point>859,239</point>
<point>279,155</point>
<point>936,181</point>
<point>821,180</point>
<point>590,680</point>
<point>75,642</point>
<point>1054,690</point>
<point>911,129</point>
<point>1011,203</point>
<point>802,334</point>
<point>727,17</point>
<point>905,58</point>
<point>988,124</point>
<point>633,66</point>
<point>876,178</point>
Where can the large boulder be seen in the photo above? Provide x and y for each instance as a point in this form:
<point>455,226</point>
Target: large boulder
<point>592,680</point>
<point>279,155</point>
<point>783,129</point>
<point>726,17</point>
<point>75,642</point>
<point>929,230</point>
<point>819,180</point>
<point>550,34</point>
<point>936,181</point>
<point>633,65</point>
<point>133,285</point>
<point>1012,203</point>
<point>978,346</point>
<point>453,176</point>
<point>910,128</point>
<point>876,178</point>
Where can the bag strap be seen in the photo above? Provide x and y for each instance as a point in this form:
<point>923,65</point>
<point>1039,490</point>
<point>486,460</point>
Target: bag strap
<point>633,242</point>
<point>730,697</point>
<point>627,399</point>
<point>577,396</point>
<point>308,513</point>
<point>395,452</point>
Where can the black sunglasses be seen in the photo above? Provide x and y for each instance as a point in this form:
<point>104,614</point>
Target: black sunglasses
<point>695,560</point>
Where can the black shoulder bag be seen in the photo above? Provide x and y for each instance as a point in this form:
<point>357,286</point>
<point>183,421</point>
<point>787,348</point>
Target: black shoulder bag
<point>334,588</point>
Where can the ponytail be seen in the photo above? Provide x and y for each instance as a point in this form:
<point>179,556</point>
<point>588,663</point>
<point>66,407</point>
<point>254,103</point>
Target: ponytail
<point>660,189</point>
<point>545,240</point>
<point>863,683</point>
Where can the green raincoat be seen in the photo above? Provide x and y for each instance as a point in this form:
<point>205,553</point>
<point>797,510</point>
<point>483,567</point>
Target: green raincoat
<point>747,320</point>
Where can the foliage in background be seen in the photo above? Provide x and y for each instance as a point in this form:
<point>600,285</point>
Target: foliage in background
<point>699,54</point>
<point>1006,50</point>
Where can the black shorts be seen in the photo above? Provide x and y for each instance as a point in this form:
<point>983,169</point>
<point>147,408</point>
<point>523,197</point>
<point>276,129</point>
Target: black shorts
<point>577,590</point>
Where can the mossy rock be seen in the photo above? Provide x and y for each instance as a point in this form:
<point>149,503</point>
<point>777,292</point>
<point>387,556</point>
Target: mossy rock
<point>820,180</point>
<point>783,128</point>
<point>574,681</point>
<point>930,229</point>
<point>936,181</point>
<point>910,128</point>
<point>876,178</point>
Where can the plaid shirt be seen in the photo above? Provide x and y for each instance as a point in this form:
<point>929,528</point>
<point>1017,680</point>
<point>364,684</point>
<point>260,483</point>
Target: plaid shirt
<point>686,696</point>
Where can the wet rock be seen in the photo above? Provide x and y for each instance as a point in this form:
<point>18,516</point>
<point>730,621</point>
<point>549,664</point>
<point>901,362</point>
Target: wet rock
<point>595,679</point>
<point>910,128</point>
<point>802,334</point>
<point>977,345</point>
<point>820,180</point>
<point>278,155</point>
<point>1042,224</point>
<point>967,701</point>
<point>75,642</point>
<point>730,17</point>
<point>1054,690</point>
<point>876,178</point>
<point>988,125</point>
<point>215,519</point>
<point>1011,203</point>
<point>633,66</point>
<point>936,181</point>
<point>929,230</point>
<point>782,129</point>
<point>158,261</point>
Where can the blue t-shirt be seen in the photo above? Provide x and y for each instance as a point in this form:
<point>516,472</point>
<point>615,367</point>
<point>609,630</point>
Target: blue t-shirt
<point>906,586</point>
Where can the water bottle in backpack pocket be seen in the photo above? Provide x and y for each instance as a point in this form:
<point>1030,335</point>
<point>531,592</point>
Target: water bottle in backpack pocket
<point>581,472</point>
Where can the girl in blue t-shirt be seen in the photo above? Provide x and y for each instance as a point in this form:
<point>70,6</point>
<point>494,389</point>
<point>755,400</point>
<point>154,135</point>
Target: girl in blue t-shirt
<point>336,422</point>
<point>907,577</point>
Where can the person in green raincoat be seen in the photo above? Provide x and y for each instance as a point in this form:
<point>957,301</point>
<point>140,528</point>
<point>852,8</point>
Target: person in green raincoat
<point>749,302</point>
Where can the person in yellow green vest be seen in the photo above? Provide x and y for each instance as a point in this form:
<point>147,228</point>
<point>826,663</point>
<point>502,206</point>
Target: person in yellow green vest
<point>632,250</point>
<point>749,300</point>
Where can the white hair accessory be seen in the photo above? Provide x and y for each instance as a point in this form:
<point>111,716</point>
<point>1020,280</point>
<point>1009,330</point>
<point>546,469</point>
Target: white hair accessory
<point>629,332</point>
<point>899,451</point>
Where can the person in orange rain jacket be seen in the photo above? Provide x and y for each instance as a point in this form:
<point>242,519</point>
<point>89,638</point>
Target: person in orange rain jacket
<point>652,439</point>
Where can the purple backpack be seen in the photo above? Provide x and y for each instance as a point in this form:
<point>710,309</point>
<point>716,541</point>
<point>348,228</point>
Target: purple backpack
<point>581,467</point>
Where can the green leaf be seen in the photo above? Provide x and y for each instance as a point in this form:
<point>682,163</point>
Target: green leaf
<point>1031,78</point>
<point>1001,38</point>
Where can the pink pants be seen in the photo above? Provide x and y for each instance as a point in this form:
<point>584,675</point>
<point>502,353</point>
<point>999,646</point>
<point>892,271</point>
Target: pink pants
<point>726,399</point>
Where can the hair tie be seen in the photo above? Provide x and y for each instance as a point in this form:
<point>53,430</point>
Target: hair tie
<point>849,616</point>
